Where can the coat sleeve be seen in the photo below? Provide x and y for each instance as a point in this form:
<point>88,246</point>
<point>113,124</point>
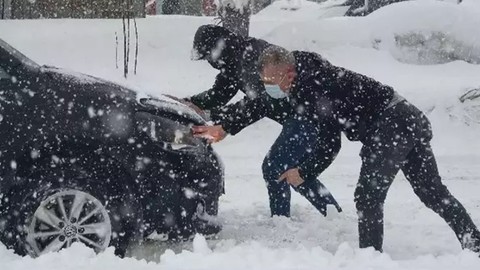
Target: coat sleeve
<point>312,103</point>
<point>328,144</point>
<point>256,105</point>
<point>222,91</point>
<point>235,117</point>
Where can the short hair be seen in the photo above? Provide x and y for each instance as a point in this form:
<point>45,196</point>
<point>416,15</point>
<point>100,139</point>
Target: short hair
<point>276,55</point>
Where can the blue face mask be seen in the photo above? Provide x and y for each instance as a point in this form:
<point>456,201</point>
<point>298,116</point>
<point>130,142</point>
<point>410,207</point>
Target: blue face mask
<point>274,91</point>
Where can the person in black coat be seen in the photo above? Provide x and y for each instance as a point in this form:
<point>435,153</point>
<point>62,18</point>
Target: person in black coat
<point>395,136</point>
<point>236,58</point>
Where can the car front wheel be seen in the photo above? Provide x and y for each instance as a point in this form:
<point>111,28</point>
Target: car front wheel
<point>65,217</point>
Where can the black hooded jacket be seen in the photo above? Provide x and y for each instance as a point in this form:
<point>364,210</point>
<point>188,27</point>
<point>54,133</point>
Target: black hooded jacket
<point>326,92</point>
<point>236,58</point>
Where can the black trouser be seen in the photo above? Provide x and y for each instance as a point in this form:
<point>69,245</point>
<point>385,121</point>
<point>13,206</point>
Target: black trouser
<point>313,149</point>
<point>399,138</point>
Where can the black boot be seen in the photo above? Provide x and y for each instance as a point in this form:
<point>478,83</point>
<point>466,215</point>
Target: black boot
<point>370,228</point>
<point>207,228</point>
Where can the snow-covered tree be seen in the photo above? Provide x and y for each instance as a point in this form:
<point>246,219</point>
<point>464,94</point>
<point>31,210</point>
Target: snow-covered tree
<point>235,15</point>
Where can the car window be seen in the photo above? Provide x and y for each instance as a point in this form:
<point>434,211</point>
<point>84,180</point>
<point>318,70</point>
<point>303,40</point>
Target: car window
<point>4,75</point>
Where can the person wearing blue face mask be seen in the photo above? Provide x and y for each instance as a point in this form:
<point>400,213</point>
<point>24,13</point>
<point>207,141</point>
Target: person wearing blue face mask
<point>236,59</point>
<point>395,135</point>
<point>275,92</point>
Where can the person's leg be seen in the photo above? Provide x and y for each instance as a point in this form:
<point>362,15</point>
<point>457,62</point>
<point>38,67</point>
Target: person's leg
<point>273,166</point>
<point>385,150</point>
<point>376,176</point>
<point>297,139</point>
<point>327,146</point>
<point>278,192</point>
<point>422,173</point>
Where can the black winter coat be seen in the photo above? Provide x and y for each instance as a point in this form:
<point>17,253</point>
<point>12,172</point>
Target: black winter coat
<point>324,92</point>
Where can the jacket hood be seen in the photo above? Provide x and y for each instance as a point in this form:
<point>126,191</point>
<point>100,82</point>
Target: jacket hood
<point>221,47</point>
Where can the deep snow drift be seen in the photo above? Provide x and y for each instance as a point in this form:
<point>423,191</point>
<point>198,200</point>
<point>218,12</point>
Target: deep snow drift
<point>415,237</point>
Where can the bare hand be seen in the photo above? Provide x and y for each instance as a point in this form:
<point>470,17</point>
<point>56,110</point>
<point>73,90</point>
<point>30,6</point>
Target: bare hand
<point>292,176</point>
<point>211,133</point>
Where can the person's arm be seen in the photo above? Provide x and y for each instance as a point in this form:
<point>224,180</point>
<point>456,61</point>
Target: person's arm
<point>327,147</point>
<point>235,117</point>
<point>312,102</point>
<point>256,105</point>
<point>222,91</point>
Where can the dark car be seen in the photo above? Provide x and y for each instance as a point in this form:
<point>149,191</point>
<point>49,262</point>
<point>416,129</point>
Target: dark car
<point>83,159</point>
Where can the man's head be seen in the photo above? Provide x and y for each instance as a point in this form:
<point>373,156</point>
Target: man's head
<point>219,46</point>
<point>277,67</point>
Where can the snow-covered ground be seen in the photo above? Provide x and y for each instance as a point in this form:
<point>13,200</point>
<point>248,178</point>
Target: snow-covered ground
<point>415,237</point>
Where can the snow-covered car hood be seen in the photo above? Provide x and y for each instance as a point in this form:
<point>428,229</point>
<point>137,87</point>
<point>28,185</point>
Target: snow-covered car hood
<point>160,103</point>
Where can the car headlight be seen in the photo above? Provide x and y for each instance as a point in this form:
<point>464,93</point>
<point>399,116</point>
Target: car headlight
<point>173,135</point>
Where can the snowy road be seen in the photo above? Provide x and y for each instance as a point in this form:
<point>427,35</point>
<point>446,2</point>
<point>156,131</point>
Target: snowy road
<point>415,238</point>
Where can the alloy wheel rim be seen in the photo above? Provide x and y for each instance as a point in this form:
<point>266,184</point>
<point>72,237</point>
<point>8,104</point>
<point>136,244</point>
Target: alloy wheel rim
<point>67,217</point>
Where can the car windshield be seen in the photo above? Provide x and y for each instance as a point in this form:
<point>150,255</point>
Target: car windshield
<point>18,55</point>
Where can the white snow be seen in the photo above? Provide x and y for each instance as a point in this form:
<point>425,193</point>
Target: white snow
<point>302,10</point>
<point>415,237</point>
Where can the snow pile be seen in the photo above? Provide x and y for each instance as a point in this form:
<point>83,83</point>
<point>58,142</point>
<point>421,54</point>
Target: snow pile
<point>424,32</point>
<point>302,10</point>
<point>251,256</point>
<point>435,32</point>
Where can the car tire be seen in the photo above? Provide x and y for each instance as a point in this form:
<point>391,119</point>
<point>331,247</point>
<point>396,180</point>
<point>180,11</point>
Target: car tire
<point>59,205</point>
